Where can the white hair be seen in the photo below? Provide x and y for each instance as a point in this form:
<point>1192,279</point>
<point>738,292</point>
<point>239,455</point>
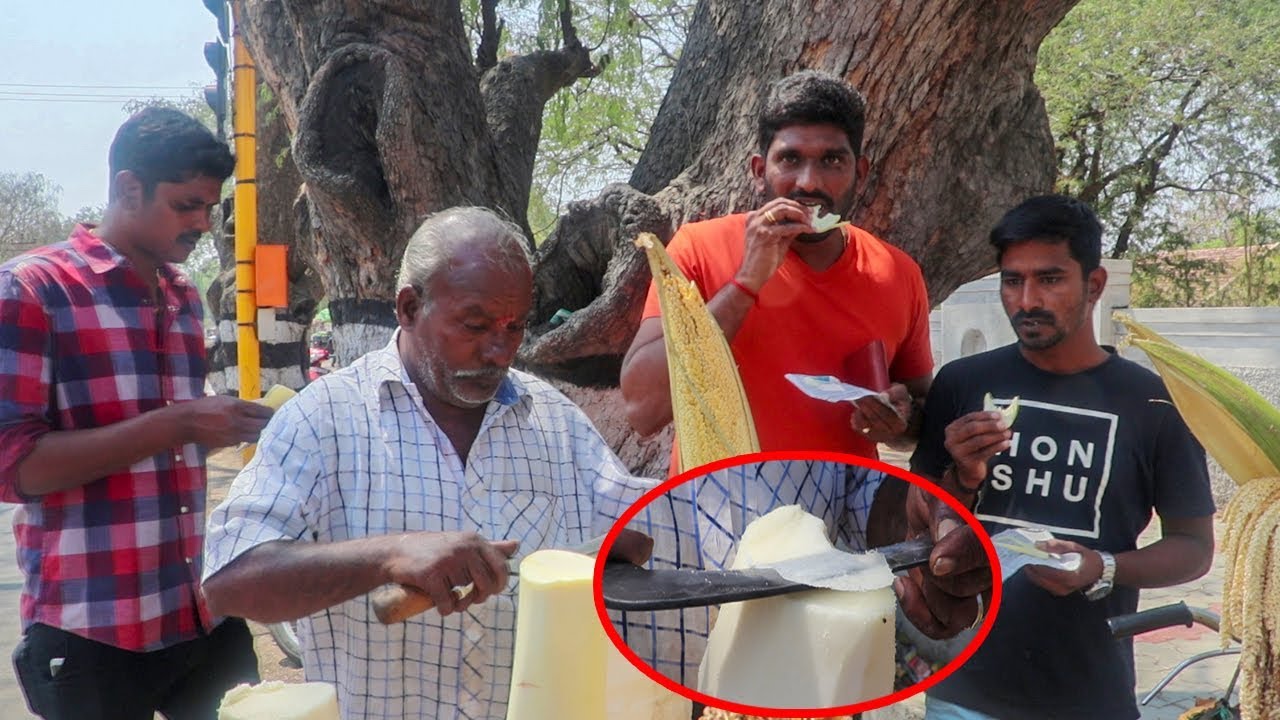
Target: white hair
<point>500,243</point>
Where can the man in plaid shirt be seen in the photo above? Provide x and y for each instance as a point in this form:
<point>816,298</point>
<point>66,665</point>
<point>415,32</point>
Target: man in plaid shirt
<point>103,432</point>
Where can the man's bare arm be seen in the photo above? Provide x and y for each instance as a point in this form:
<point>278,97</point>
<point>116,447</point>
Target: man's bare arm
<point>285,580</point>
<point>1184,552</point>
<point>65,459</point>
<point>646,388</point>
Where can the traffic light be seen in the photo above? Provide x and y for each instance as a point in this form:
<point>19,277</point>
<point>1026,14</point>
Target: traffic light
<point>219,10</point>
<point>215,53</point>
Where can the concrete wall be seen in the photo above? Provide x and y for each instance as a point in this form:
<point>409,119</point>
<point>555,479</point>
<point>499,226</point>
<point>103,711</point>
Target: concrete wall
<point>972,319</point>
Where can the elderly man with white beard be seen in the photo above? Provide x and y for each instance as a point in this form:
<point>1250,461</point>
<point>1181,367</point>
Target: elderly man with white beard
<point>425,463</point>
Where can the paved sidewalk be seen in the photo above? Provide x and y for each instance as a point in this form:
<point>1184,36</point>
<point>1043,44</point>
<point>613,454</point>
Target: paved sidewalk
<point>1156,653</point>
<point>13,704</point>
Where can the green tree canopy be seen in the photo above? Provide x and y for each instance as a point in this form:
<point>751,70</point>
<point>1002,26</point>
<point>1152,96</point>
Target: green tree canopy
<point>592,131</point>
<point>1156,102</point>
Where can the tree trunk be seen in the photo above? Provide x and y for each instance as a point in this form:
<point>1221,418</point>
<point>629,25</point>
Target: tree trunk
<point>956,135</point>
<point>392,120</point>
<point>283,355</point>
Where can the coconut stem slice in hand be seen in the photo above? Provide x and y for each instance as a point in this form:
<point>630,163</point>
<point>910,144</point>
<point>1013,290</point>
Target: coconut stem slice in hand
<point>1007,413</point>
<point>824,222</point>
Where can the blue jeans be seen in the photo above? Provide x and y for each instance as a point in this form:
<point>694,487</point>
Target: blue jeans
<point>935,709</point>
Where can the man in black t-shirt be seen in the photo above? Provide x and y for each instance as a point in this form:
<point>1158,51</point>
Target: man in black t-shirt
<point>1095,447</point>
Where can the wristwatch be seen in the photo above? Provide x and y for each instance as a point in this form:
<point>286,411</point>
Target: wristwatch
<point>1102,587</point>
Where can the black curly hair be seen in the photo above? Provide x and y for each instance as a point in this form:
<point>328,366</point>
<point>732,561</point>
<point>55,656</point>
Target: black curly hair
<point>812,97</point>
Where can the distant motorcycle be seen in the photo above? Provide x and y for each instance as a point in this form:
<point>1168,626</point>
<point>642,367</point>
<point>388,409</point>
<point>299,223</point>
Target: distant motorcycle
<point>321,355</point>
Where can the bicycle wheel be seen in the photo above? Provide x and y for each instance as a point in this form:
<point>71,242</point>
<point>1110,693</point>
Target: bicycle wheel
<point>286,637</point>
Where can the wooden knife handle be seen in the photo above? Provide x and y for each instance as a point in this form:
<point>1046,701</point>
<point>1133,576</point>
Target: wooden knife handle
<point>396,603</point>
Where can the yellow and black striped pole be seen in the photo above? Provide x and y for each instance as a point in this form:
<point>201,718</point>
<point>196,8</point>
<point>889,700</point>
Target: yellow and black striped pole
<point>243,134</point>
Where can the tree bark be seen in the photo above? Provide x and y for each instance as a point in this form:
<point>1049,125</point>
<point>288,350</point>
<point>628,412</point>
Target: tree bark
<point>956,134</point>
<point>283,356</point>
<point>392,120</point>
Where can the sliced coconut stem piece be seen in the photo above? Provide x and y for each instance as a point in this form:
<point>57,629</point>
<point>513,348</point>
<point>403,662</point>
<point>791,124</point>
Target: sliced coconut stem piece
<point>823,222</point>
<point>1008,413</point>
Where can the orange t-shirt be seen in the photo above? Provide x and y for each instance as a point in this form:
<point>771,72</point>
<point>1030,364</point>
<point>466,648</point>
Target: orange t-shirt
<point>811,322</point>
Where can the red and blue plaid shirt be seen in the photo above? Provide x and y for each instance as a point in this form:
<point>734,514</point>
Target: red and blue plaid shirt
<point>83,344</point>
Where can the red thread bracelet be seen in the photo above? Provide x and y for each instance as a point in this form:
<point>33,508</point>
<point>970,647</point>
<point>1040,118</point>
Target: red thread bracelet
<point>746,291</point>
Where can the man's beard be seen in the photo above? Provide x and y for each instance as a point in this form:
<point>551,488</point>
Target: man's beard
<point>1046,321</point>
<point>450,389</point>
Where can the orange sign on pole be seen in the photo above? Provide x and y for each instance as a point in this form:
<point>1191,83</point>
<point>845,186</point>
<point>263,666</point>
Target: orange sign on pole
<point>271,281</point>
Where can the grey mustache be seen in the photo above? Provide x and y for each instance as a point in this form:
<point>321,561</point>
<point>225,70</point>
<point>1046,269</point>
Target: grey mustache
<point>485,374</point>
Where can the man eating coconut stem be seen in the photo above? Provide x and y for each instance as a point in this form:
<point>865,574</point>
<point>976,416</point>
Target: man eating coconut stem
<point>1094,450</point>
<point>791,299</point>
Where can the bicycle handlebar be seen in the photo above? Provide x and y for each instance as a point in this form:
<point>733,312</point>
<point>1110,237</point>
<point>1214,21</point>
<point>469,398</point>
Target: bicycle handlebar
<point>1123,626</point>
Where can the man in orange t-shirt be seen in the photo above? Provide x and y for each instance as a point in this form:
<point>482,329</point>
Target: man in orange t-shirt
<point>792,300</point>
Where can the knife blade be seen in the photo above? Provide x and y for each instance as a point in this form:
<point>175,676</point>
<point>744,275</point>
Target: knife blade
<point>630,587</point>
<point>397,603</point>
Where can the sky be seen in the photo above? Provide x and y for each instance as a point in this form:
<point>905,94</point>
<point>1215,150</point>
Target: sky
<point>67,67</point>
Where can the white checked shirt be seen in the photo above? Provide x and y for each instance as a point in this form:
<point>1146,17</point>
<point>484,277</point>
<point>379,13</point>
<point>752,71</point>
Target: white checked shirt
<point>357,455</point>
<point>698,525</point>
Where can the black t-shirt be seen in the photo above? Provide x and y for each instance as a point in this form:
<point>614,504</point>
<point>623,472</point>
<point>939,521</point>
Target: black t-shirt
<point>1093,453</point>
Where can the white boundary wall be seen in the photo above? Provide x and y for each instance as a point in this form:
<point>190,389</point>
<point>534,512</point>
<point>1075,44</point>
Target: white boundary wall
<point>1237,338</point>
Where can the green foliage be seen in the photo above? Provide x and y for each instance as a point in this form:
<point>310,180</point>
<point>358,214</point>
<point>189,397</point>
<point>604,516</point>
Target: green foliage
<point>1229,259</point>
<point>1171,275</point>
<point>1153,102</point>
<point>1258,280</point>
<point>594,130</point>
<point>29,214</point>
<point>202,265</point>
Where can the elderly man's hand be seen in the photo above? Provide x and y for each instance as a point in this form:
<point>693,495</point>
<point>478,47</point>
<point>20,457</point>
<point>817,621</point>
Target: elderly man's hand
<point>942,598</point>
<point>438,562</point>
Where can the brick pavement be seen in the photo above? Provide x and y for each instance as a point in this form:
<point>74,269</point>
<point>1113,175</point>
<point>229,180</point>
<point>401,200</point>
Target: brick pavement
<point>1158,652</point>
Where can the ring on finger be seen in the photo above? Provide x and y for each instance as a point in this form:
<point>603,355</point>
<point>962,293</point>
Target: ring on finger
<point>769,218</point>
<point>462,591</point>
<point>982,611</point>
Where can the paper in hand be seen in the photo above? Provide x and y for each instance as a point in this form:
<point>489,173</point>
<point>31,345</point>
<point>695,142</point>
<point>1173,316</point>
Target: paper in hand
<point>1016,548</point>
<point>831,389</point>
